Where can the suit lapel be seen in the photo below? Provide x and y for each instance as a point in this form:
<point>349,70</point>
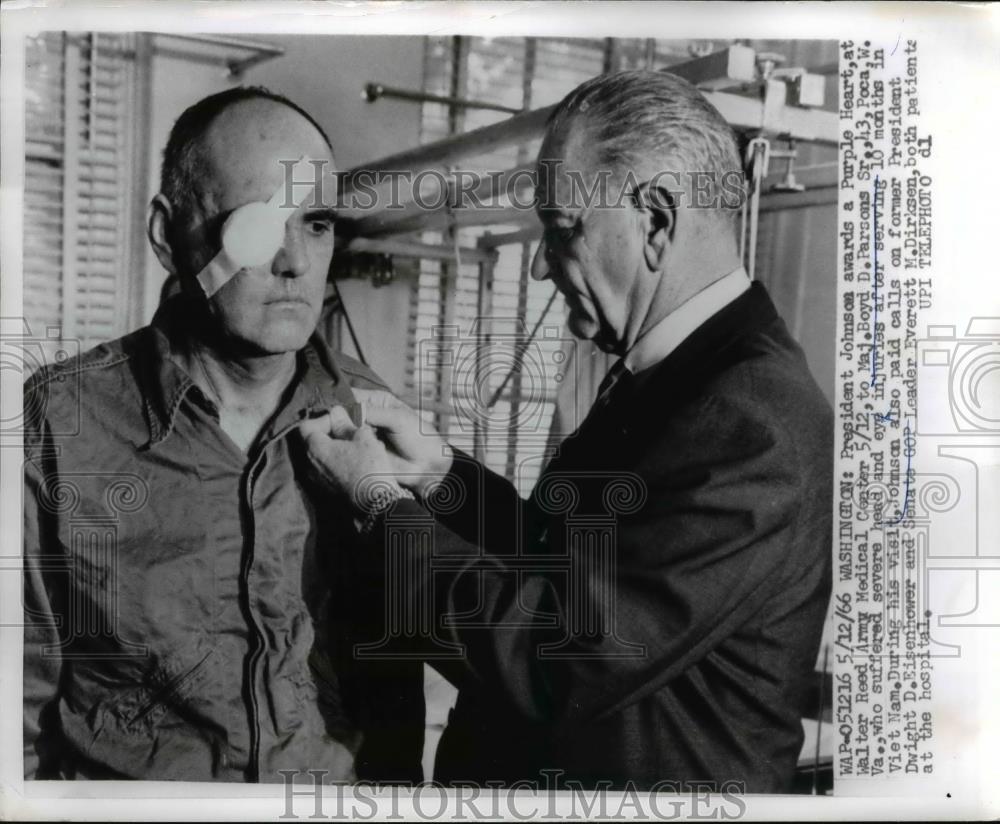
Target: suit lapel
<point>709,349</point>
<point>653,393</point>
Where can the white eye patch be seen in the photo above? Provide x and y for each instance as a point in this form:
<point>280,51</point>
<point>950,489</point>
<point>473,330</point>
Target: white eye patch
<point>253,233</point>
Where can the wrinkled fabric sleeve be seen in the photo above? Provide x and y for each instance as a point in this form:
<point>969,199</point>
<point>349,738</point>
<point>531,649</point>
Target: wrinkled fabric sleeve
<point>42,661</point>
<point>703,556</point>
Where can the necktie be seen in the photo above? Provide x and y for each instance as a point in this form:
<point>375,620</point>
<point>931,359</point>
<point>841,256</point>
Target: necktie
<point>614,378</point>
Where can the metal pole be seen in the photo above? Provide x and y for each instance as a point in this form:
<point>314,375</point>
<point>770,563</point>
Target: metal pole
<point>373,91</point>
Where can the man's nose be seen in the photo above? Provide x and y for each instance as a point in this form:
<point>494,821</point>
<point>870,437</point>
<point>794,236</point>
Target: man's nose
<point>292,259</point>
<point>540,269</point>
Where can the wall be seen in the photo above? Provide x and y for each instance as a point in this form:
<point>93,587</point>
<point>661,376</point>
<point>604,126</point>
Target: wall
<point>324,75</point>
<point>797,248</point>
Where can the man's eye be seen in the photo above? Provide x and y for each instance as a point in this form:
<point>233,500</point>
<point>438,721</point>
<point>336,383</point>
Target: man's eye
<point>562,235</point>
<point>556,256</point>
<point>319,227</point>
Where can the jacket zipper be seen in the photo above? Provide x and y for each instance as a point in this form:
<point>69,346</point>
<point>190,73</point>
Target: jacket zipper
<point>257,652</point>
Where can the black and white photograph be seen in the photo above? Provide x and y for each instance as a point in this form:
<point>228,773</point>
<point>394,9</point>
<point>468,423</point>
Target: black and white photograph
<point>422,417</point>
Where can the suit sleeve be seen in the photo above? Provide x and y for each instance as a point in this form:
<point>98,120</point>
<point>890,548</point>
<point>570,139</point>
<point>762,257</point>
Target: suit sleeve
<point>391,751</point>
<point>484,508</point>
<point>701,556</point>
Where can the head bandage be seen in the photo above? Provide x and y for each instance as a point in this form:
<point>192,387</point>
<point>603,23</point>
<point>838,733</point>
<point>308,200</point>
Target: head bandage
<point>253,233</point>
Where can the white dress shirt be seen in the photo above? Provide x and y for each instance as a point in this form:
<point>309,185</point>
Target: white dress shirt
<point>659,341</point>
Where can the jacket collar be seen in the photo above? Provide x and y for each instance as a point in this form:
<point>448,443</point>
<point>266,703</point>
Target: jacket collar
<point>318,384</point>
<point>649,394</point>
<point>647,398</point>
<point>657,343</point>
<point>707,349</point>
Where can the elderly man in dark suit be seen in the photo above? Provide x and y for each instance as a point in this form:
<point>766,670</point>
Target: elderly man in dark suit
<point>652,612</point>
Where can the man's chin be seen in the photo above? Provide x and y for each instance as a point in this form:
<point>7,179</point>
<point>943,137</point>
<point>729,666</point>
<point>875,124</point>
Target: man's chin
<point>585,327</point>
<point>278,341</point>
<point>582,326</point>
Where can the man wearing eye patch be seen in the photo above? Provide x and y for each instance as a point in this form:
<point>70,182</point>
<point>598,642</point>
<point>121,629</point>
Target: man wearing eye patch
<point>186,596</point>
<point>650,616</point>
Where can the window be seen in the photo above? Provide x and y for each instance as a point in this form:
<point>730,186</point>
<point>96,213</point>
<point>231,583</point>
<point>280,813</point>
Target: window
<point>82,162</point>
<point>520,73</point>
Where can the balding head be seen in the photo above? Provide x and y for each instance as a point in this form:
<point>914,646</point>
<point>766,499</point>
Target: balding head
<point>184,157</point>
<point>240,154</point>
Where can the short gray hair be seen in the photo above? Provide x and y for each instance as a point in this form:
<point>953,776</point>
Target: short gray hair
<point>641,116</point>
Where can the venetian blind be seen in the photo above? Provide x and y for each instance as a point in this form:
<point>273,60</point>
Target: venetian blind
<point>519,73</point>
<point>79,151</point>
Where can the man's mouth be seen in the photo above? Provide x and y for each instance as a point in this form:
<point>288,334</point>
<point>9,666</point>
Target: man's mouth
<point>286,300</point>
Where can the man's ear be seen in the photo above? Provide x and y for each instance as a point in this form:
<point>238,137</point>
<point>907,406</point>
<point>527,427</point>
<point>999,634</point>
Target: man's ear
<point>659,207</point>
<point>158,220</point>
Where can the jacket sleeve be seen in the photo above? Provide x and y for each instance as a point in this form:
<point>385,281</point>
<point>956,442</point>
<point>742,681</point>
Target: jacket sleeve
<point>42,660</point>
<point>707,549</point>
<point>484,508</point>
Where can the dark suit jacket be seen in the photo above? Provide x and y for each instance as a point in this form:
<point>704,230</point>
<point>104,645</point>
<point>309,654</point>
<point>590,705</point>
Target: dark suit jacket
<point>653,611</point>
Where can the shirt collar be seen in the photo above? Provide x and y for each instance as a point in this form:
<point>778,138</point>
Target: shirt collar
<point>663,338</point>
<point>164,384</point>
